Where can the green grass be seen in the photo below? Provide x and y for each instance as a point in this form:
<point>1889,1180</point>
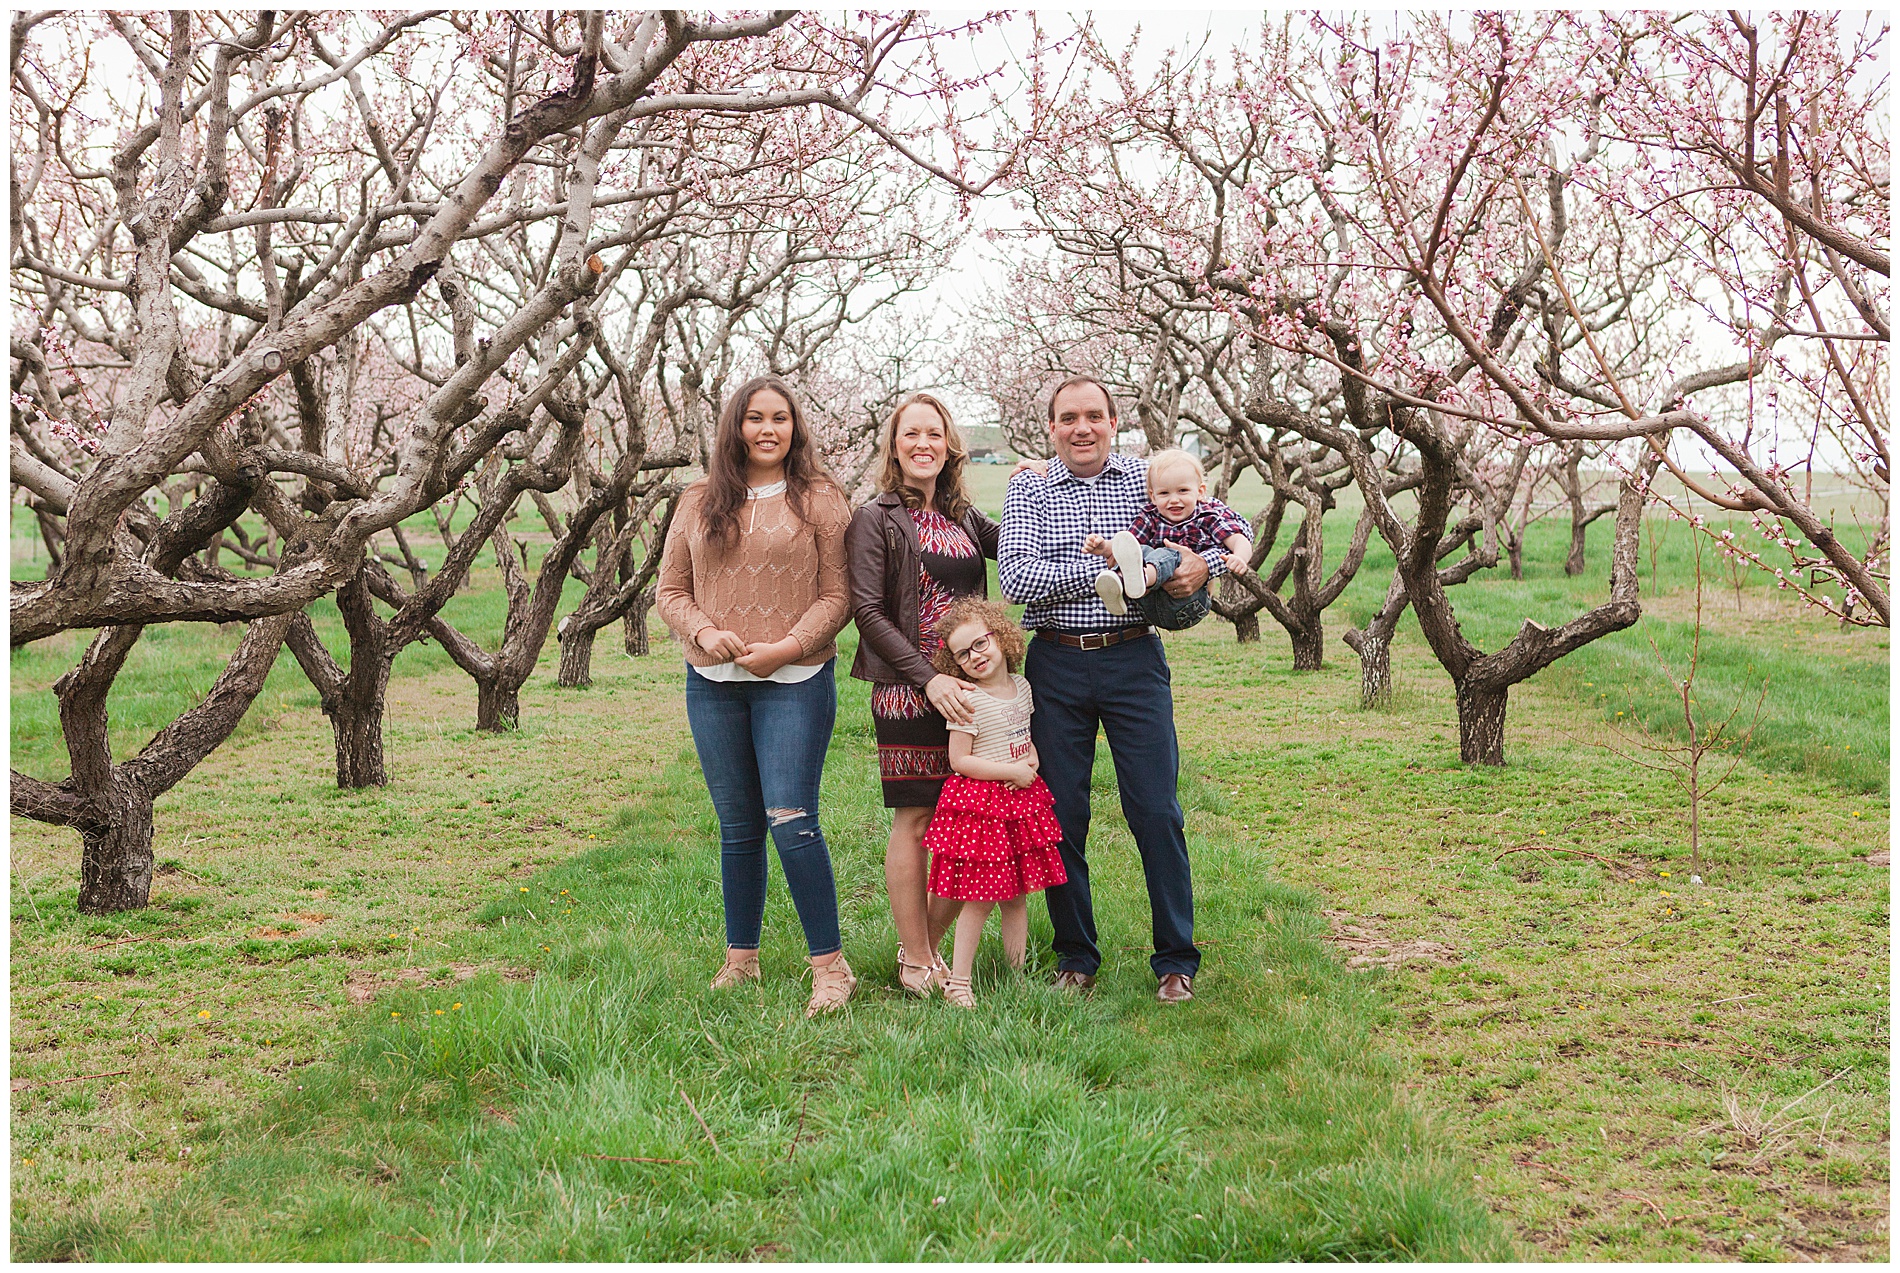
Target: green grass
<point>1598,1011</point>
<point>1825,712</point>
<point>1259,1124</point>
<point>1566,1075</point>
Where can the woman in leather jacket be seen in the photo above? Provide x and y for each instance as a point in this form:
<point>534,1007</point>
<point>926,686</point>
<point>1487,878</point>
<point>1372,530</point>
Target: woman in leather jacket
<point>915,548</point>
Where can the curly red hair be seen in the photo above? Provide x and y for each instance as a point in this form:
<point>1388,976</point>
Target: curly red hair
<point>979,610</point>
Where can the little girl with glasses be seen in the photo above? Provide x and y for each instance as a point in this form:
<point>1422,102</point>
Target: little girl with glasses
<point>994,836</point>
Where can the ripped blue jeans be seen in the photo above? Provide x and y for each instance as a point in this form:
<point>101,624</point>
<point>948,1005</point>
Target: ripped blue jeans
<point>762,747</point>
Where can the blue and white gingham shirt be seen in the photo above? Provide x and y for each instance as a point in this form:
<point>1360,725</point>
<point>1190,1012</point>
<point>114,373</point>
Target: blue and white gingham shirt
<point>1039,559</point>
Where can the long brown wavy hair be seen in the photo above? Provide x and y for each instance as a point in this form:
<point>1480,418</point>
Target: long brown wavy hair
<point>951,498</point>
<point>725,468</point>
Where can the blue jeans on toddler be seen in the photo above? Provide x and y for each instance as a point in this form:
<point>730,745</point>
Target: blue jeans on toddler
<point>762,747</point>
<point>1160,609</point>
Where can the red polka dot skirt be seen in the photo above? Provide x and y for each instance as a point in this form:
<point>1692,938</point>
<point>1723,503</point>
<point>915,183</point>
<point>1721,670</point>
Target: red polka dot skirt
<point>990,842</point>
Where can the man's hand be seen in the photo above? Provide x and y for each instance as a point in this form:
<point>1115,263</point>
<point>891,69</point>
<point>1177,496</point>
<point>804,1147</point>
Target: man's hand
<point>721,644</point>
<point>947,695</point>
<point>1189,576</point>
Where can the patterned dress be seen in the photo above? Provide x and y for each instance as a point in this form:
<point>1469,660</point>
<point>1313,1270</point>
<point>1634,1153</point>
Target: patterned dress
<point>989,841</point>
<point>913,747</point>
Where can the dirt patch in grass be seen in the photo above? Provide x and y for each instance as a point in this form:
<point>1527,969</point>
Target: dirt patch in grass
<point>361,985</point>
<point>1366,947</point>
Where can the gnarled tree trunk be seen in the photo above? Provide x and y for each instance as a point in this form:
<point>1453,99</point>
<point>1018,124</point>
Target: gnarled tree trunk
<point>497,706</point>
<point>110,805</point>
<point>615,591</point>
<point>1481,725</point>
<point>1373,645</point>
<point>638,642</point>
<point>353,700</point>
<point>1308,645</point>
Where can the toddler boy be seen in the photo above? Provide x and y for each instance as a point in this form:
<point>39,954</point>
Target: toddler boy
<point>1178,511</point>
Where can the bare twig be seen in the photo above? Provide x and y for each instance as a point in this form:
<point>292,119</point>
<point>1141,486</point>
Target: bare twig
<point>1548,848</point>
<point>20,1085</point>
<point>1651,1205</point>
<point>29,898</point>
<point>670,1162</point>
<point>702,1123</point>
<point>405,1237</point>
<point>123,941</point>
<point>801,1124</point>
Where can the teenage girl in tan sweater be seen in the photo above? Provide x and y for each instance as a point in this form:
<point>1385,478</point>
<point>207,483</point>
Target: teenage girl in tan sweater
<point>753,584</point>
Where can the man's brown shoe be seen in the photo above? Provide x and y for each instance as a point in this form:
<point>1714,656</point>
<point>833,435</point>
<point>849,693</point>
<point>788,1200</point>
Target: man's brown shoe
<point>1176,987</point>
<point>1081,983</point>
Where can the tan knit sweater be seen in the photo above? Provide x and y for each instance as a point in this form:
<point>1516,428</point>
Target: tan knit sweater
<point>781,578</point>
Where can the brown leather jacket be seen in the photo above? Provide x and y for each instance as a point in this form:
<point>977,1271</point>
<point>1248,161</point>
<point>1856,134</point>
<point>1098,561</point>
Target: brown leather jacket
<point>881,562</point>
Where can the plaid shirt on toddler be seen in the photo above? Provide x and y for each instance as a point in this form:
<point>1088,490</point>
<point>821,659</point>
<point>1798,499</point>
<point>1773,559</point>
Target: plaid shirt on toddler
<point>1208,527</point>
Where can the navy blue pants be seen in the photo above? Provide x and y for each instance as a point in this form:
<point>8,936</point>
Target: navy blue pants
<point>762,748</point>
<point>1125,691</point>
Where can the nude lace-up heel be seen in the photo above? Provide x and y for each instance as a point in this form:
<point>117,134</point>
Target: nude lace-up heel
<point>919,980</point>
<point>831,986</point>
<point>957,990</point>
<point>737,971</point>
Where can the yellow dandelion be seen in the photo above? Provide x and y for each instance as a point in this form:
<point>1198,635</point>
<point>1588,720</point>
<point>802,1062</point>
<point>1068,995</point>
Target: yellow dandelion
<point>395,1014</point>
<point>203,1015</point>
<point>1664,874</point>
<point>438,1012</point>
<point>524,890</point>
<point>457,1006</point>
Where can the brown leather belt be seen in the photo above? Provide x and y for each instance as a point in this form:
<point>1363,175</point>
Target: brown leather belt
<point>1094,640</point>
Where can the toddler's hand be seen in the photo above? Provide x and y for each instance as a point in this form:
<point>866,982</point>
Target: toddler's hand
<point>1238,563</point>
<point>1023,777</point>
<point>1097,545</point>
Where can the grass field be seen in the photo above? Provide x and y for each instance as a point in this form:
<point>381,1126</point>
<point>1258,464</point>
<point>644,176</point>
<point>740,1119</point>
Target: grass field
<point>1583,1057</point>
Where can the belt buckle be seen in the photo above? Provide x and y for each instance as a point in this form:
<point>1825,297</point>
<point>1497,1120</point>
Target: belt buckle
<point>1095,640</point>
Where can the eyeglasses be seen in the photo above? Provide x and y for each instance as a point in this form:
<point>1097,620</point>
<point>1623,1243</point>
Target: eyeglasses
<point>982,645</point>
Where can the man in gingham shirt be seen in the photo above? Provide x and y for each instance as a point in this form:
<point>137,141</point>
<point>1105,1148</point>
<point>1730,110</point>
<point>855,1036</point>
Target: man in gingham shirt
<point>1092,670</point>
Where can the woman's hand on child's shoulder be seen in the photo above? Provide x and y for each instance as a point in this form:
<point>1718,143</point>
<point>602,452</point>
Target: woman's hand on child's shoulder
<point>951,698</point>
<point>1039,467</point>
